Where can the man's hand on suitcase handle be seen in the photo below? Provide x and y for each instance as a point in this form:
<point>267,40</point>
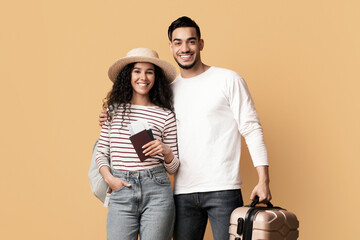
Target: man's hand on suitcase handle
<point>262,189</point>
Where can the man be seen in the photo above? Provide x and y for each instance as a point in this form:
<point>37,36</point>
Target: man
<point>213,109</point>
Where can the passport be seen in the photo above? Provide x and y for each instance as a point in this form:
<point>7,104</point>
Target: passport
<point>140,139</point>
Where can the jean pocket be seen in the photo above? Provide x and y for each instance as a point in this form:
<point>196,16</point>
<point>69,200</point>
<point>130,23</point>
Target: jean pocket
<point>118,190</point>
<point>121,188</point>
<point>161,179</point>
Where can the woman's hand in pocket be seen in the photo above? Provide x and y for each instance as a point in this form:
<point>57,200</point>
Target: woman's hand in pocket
<point>116,183</point>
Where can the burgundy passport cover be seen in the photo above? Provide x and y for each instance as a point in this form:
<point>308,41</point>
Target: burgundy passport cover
<point>138,140</point>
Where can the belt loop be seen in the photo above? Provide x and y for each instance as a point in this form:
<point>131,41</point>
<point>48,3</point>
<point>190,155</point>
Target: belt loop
<point>150,173</point>
<point>127,176</point>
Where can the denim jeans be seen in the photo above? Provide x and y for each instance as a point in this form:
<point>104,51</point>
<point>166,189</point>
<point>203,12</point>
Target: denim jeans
<point>146,208</point>
<point>194,209</point>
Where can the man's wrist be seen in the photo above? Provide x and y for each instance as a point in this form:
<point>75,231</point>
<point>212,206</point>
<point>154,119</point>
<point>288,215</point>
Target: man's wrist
<point>263,173</point>
<point>264,181</point>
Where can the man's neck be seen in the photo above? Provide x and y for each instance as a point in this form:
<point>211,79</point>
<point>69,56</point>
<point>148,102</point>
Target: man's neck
<point>194,71</point>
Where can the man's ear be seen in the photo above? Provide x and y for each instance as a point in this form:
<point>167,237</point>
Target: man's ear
<point>170,46</point>
<point>201,42</point>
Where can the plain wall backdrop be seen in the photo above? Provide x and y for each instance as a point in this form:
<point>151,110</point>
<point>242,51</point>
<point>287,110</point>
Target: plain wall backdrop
<point>300,59</point>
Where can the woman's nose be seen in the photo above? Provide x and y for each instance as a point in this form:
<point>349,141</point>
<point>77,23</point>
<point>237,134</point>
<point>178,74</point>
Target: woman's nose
<point>143,76</point>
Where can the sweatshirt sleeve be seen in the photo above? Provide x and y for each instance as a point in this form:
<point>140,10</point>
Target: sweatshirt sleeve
<point>243,108</point>
<point>170,138</point>
<point>103,148</point>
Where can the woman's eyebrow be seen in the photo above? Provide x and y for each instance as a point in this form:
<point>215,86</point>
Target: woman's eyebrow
<point>139,68</point>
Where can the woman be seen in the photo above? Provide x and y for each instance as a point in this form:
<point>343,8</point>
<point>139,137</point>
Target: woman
<point>141,200</point>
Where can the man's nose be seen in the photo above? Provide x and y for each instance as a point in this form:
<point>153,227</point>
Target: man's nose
<point>185,48</point>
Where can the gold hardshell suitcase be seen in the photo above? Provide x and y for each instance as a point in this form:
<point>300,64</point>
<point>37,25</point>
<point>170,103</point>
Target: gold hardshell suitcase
<point>253,222</point>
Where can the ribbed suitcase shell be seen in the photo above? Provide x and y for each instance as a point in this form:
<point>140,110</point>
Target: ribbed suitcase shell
<point>269,223</point>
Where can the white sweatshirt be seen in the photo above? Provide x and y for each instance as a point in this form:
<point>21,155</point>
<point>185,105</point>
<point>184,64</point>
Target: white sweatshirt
<point>213,110</point>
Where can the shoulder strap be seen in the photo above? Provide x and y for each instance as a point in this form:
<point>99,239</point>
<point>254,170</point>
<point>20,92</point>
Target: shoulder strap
<point>106,201</point>
<point>109,128</point>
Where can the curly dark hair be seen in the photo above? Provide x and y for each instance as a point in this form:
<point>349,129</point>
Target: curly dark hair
<point>121,93</point>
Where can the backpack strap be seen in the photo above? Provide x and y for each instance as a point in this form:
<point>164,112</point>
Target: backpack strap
<point>107,198</point>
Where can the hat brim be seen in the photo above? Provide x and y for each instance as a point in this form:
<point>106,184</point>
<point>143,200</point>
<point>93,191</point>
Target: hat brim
<point>168,69</point>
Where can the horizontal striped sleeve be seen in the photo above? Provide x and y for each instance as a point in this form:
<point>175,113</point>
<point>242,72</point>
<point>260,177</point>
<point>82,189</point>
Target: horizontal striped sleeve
<point>103,148</point>
<point>173,166</point>
<point>170,139</point>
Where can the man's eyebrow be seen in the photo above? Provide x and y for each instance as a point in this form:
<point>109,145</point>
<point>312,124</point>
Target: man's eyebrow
<point>179,39</point>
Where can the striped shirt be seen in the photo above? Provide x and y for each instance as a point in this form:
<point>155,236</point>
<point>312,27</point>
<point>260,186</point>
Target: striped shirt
<point>119,147</point>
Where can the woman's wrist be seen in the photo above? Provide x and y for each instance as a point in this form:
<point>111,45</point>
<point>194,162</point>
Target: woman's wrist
<point>168,157</point>
<point>108,179</point>
<point>106,174</point>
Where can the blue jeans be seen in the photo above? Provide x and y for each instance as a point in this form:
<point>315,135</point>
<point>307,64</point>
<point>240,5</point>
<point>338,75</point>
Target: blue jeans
<point>194,209</point>
<point>146,208</point>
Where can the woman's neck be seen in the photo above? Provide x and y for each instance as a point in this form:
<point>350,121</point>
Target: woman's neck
<point>141,100</point>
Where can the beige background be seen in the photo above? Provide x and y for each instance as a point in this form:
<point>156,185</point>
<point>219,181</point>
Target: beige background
<point>301,60</point>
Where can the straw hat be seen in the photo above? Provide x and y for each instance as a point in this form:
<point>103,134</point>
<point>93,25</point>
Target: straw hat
<point>142,55</point>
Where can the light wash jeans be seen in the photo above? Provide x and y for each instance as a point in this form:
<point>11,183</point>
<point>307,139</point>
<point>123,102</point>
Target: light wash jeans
<point>146,208</point>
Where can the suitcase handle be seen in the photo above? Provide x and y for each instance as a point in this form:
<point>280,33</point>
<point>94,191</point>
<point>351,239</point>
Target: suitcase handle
<point>256,201</point>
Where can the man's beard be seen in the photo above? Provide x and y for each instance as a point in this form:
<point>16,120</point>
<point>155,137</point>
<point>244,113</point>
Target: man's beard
<point>186,66</point>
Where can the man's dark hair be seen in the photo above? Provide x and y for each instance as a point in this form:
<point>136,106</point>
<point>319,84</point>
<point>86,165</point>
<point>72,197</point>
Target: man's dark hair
<point>183,22</point>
